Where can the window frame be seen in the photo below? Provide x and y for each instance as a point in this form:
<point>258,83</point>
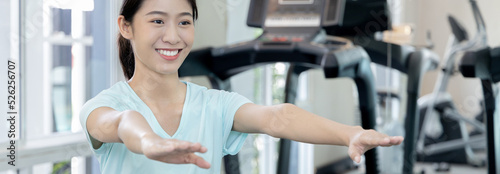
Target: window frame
<point>33,148</point>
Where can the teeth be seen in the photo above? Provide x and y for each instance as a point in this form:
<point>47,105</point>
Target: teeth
<point>168,53</point>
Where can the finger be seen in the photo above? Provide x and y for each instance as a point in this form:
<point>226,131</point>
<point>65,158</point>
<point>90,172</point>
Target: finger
<point>166,147</point>
<point>172,146</point>
<point>396,140</point>
<point>196,147</point>
<point>197,160</point>
<point>374,138</point>
<point>385,141</point>
<point>377,141</point>
<point>203,149</point>
<point>160,149</point>
<point>182,145</point>
<point>354,155</point>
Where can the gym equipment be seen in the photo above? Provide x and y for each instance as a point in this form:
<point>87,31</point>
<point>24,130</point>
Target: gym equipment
<point>484,63</point>
<point>455,144</point>
<point>415,63</point>
<point>292,33</point>
<point>405,58</point>
<point>359,15</point>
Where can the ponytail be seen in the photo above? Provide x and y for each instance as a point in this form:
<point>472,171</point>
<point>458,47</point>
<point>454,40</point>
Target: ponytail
<point>126,55</point>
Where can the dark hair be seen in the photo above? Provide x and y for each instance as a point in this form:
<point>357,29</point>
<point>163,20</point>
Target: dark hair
<point>125,51</point>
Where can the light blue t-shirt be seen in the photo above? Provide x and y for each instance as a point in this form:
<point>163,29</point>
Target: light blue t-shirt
<point>207,118</point>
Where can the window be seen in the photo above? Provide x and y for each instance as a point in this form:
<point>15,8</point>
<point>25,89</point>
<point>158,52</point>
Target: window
<point>54,56</point>
<point>60,45</point>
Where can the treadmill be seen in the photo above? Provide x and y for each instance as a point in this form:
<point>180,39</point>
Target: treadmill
<point>414,63</point>
<point>293,32</point>
<point>366,17</point>
<point>484,63</point>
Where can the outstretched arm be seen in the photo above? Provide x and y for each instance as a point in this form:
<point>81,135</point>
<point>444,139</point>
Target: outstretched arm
<point>291,122</point>
<point>106,125</point>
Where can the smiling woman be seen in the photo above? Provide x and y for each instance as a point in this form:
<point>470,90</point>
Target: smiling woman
<point>156,123</point>
<point>155,38</point>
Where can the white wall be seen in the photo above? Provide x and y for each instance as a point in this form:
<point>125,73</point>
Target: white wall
<point>432,15</point>
<point>210,28</point>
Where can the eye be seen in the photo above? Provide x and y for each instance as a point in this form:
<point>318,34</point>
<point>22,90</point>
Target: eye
<point>185,23</point>
<point>158,22</point>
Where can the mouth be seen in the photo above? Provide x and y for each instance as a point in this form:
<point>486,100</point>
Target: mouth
<point>169,54</point>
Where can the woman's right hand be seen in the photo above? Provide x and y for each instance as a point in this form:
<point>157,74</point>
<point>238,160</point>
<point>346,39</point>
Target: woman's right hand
<point>173,151</point>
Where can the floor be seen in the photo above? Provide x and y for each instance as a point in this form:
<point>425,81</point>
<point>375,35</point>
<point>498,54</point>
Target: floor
<point>428,168</point>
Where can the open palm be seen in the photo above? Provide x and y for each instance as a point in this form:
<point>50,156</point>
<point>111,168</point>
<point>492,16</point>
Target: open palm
<point>368,139</point>
<point>173,151</point>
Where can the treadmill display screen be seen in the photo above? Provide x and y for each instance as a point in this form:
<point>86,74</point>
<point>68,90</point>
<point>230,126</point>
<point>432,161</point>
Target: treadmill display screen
<point>296,1</point>
<point>294,13</point>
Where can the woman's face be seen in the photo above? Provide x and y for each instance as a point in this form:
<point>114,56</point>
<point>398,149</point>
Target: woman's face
<point>162,35</point>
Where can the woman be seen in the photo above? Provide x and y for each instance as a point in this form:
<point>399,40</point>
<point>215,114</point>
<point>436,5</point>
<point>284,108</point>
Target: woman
<point>155,123</point>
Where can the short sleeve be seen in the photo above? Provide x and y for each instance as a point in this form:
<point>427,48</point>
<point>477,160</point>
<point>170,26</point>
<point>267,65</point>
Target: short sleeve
<point>233,140</point>
<point>91,105</point>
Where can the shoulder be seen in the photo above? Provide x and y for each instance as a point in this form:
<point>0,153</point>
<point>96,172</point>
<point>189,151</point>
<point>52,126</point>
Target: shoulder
<point>118,89</point>
<point>221,96</point>
<point>118,94</point>
<point>114,97</point>
<point>198,90</point>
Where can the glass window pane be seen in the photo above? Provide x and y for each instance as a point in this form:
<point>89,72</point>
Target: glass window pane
<point>88,22</point>
<point>62,167</point>
<point>61,88</point>
<point>61,21</point>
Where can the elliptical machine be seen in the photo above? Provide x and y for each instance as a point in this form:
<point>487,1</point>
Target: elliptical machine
<point>448,139</point>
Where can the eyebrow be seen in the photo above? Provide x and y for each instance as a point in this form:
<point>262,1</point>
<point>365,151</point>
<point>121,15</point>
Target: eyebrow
<point>165,14</point>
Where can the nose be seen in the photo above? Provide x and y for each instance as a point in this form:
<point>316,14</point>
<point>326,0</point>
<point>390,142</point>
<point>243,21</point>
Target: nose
<point>171,35</point>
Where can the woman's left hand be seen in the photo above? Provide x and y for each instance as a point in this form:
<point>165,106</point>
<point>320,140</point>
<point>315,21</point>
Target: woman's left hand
<point>365,140</point>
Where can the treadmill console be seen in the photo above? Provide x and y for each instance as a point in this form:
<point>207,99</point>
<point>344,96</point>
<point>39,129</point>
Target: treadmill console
<point>295,13</point>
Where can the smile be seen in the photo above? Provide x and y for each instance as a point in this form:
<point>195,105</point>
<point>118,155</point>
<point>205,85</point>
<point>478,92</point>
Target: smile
<point>170,54</point>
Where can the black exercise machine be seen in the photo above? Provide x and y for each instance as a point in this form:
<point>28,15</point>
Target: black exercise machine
<point>484,63</point>
<point>292,33</point>
<point>415,63</point>
<point>367,17</point>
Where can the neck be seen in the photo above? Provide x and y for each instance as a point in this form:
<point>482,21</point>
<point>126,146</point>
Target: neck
<point>154,87</point>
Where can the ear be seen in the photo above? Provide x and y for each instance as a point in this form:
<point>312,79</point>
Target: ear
<point>125,27</point>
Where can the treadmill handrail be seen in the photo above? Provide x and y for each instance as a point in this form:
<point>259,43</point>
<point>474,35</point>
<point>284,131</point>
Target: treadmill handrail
<point>252,53</point>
